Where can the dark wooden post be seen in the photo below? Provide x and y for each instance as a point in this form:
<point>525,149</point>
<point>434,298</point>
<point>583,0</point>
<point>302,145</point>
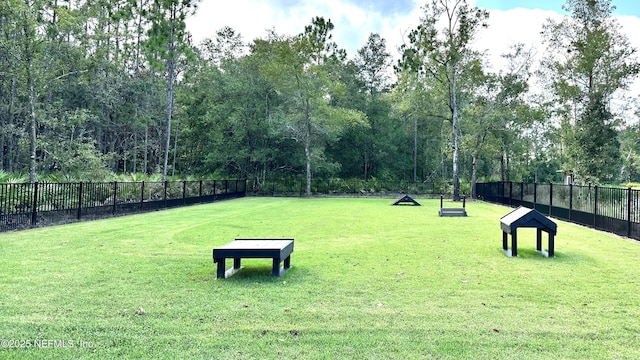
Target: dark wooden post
<point>200,192</point>
<point>34,207</point>
<point>535,194</point>
<point>539,239</point>
<point>514,243</point>
<point>79,213</point>
<point>629,212</point>
<point>505,243</point>
<point>441,196</point>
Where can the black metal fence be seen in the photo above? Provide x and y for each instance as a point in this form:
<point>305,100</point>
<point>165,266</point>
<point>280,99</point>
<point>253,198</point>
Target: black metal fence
<point>350,188</point>
<point>615,210</point>
<point>39,204</point>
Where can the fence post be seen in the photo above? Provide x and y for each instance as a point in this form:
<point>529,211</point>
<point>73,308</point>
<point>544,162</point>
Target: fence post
<point>510,193</point>
<point>570,200</point>
<point>34,209</point>
<point>184,192</point>
<point>115,196</point>
<point>79,214</point>
<point>535,194</point>
<point>142,195</point>
<point>200,192</point>
<point>521,192</point>
<point>164,196</point>
<point>550,197</point>
<point>595,207</point>
<point>629,212</point>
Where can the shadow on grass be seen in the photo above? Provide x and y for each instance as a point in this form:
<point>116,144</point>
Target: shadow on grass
<point>257,274</point>
<point>560,257</point>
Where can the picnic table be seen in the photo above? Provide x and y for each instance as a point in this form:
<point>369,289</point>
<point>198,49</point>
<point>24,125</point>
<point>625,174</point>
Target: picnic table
<point>279,250</point>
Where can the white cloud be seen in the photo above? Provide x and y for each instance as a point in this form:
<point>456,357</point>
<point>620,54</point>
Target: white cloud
<point>353,24</point>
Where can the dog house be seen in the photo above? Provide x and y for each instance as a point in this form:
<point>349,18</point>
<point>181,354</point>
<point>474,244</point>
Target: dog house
<point>523,217</point>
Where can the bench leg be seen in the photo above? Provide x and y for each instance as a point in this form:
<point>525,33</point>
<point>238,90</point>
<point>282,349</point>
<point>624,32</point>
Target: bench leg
<point>287,262</point>
<point>505,245</point>
<point>236,263</point>
<point>221,268</point>
<point>275,270</point>
<point>551,246</point>
<point>514,244</point>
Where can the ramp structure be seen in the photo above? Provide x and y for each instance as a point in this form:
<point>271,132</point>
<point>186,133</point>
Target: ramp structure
<point>406,200</point>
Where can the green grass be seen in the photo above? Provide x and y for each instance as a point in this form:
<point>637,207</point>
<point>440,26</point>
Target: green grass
<point>368,281</point>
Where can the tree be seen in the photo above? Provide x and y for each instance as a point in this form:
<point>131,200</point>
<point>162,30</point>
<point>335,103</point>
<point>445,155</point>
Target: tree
<point>589,63</point>
<point>168,40</point>
<point>443,54</point>
<point>367,151</point>
<point>299,72</point>
<point>500,112</point>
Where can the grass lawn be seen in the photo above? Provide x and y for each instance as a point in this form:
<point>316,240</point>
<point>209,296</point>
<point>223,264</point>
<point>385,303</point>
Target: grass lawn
<point>367,281</point>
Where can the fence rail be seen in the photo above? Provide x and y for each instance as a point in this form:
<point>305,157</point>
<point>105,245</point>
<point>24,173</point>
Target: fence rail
<point>352,187</point>
<point>615,210</point>
<point>38,204</point>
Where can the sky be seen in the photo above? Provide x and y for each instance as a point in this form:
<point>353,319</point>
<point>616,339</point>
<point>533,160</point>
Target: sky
<point>510,21</point>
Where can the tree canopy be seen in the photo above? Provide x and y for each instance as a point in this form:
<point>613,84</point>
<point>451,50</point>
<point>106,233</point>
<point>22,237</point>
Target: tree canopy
<point>91,89</point>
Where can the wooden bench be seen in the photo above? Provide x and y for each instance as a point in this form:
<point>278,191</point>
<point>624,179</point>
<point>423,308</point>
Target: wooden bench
<point>279,250</point>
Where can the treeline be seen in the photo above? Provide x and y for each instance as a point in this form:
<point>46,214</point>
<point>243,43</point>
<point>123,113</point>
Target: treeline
<point>89,89</point>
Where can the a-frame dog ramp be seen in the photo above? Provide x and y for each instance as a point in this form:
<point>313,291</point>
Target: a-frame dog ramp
<point>406,200</point>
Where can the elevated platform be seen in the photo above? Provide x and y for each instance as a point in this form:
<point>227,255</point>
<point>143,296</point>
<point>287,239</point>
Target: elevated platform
<point>452,212</point>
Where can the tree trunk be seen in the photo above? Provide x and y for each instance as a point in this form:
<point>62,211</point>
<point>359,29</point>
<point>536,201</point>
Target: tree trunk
<point>454,138</point>
<point>415,151</point>
<point>170,74</point>
<point>474,174</point>
<point>32,126</point>
<point>146,148</point>
<point>175,150</point>
<point>307,147</point>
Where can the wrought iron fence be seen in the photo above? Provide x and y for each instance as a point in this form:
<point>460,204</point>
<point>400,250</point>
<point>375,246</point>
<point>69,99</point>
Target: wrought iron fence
<point>39,204</point>
<point>615,210</point>
<point>351,188</point>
